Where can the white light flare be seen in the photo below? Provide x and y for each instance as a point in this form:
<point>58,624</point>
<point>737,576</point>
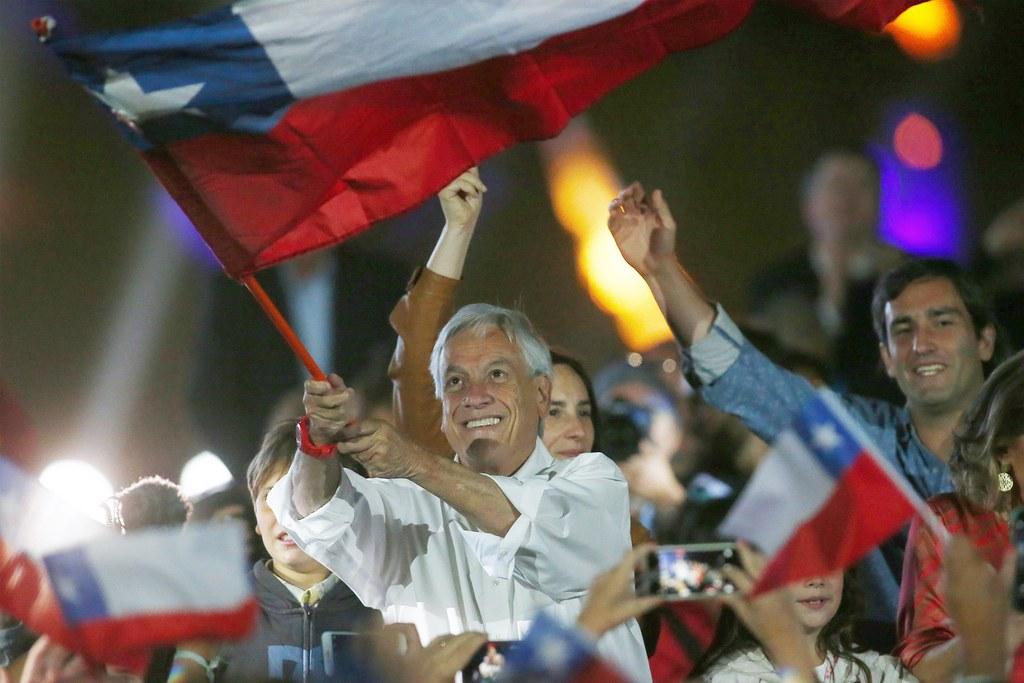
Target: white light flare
<point>203,473</point>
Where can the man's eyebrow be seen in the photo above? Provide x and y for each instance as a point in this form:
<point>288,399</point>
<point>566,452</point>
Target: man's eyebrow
<point>454,368</point>
<point>558,403</point>
<point>899,319</point>
<point>944,310</point>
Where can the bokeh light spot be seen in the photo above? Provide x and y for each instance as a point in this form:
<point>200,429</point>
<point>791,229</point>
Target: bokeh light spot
<point>78,483</point>
<point>929,31</point>
<point>581,182</point>
<point>204,473</point>
<point>917,142</point>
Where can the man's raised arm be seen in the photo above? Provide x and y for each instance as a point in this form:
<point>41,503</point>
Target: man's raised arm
<point>729,373</point>
<point>645,233</point>
<point>329,407</point>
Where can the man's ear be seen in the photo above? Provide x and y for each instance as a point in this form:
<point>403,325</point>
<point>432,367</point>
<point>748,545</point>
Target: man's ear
<point>890,368</point>
<point>543,385</point>
<point>987,343</point>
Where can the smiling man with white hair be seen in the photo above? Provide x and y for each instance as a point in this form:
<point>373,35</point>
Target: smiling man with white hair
<point>480,543</point>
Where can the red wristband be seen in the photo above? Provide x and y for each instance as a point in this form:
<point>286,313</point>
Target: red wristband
<point>306,444</point>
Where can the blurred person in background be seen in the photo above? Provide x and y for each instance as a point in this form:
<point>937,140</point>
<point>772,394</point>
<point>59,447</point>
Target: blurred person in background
<point>1001,269</point>
<point>148,502</point>
<point>817,299</point>
<point>643,432</point>
<point>987,466</point>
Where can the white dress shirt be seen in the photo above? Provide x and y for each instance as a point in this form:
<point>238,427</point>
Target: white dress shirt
<point>408,553</point>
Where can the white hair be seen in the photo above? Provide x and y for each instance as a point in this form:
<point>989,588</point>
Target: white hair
<point>484,317</point>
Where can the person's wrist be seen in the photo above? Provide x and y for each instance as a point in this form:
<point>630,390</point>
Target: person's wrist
<point>660,266</point>
<point>589,624</point>
<point>307,443</point>
<point>460,228</point>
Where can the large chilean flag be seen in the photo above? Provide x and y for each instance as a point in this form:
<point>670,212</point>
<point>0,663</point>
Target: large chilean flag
<point>822,499</point>
<point>281,126</point>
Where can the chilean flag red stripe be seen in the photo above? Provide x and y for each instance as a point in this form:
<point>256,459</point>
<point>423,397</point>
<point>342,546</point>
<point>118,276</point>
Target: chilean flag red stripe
<point>271,153</point>
<point>864,509</point>
<point>337,163</point>
<point>822,499</point>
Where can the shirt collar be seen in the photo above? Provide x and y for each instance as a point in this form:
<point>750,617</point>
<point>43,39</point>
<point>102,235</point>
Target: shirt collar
<point>309,596</point>
<point>539,460</point>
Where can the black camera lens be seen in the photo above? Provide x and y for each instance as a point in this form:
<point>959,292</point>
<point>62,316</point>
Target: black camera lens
<point>623,426</point>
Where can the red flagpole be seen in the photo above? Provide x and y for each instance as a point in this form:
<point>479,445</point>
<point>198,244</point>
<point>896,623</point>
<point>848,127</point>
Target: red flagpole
<point>283,327</point>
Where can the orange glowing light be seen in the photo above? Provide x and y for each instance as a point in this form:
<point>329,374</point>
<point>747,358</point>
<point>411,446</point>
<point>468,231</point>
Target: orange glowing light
<point>917,142</point>
<point>929,31</point>
<point>581,182</point>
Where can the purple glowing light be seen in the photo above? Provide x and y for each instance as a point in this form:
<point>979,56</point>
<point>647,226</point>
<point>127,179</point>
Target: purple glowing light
<point>921,210</point>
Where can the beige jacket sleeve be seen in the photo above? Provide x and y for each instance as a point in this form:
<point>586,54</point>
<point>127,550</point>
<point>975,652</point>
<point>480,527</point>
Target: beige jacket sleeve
<point>417,319</point>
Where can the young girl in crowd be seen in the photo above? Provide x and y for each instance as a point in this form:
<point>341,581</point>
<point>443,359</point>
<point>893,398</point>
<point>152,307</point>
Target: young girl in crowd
<point>818,614</point>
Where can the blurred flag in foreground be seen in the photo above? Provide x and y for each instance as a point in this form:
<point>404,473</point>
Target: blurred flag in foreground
<point>822,499</point>
<point>281,126</point>
<point>558,653</point>
<point>110,597</point>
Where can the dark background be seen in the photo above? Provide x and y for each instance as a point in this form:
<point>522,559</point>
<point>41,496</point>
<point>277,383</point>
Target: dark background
<point>727,131</point>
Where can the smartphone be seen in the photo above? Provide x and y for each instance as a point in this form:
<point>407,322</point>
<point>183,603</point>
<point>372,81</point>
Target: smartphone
<point>1017,539</point>
<point>488,662</point>
<point>348,655</point>
<point>688,572</point>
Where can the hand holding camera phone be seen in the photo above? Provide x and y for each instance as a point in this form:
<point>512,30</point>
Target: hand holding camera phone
<point>488,662</point>
<point>688,572</point>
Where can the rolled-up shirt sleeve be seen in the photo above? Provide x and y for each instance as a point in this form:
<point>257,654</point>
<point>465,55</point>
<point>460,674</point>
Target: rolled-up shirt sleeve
<point>368,533</point>
<point>572,525</point>
<point>733,376</point>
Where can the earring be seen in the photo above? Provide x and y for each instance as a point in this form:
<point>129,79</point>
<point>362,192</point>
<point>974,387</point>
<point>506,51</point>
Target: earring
<point>1005,482</point>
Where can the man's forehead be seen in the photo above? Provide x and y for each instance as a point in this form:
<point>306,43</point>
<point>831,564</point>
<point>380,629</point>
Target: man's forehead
<point>480,345</point>
<point>924,296</point>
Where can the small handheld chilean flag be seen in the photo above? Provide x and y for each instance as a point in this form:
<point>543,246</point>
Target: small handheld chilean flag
<point>558,653</point>
<point>822,499</point>
<point>112,597</point>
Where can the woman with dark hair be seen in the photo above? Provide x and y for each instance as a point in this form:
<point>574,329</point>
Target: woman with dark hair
<point>824,610</point>
<point>987,468</point>
<point>569,427</point>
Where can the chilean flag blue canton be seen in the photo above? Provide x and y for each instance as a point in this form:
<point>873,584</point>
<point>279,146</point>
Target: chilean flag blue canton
<point>282,126</point>
<point>552,651</point>
<point>822,499</point>
<point>111,597</point>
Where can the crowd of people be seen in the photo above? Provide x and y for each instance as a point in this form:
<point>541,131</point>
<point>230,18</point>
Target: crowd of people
<point>486,518</point>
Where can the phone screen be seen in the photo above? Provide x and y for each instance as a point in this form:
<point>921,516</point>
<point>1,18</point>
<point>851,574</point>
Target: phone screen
<point>348,655</point>
<point>488,662</point>
<point>688,572</point>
